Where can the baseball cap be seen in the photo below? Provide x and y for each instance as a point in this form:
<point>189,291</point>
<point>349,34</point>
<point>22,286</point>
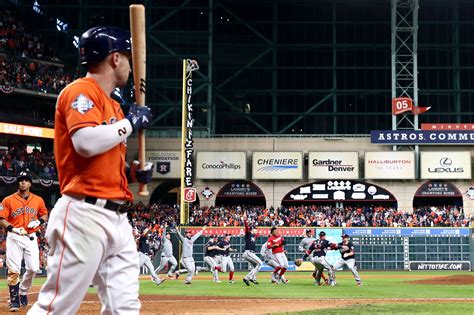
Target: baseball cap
<point>322,233</point>
<point>345,236</point>
<point>307,231</point>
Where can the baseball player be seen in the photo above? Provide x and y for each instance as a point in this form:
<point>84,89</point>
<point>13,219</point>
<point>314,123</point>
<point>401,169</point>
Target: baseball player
<point>22,214</point>
<point>211,251</point>
<point>187,259</point>
<point>251,235</point>
<point>225,259</point>
<point>89,235</point>
<point>276,243</point>
<point>167,258</point>
<point>144,258</point>
<point>304,247</point>
<point>346,248</point>
<point>319,248</point>
<point>269,259</point>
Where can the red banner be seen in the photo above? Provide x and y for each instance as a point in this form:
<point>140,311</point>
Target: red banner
<point>465,126</point>
<point>405,104</point>
<point>240,231</point>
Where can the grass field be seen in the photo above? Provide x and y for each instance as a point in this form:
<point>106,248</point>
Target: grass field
<point>382,293</point>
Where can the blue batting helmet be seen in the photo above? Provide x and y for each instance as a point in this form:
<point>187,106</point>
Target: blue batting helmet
<point>23,175</point>
<point>98,42</point>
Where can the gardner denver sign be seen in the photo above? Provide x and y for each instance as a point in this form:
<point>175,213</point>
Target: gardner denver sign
<point>333,165</point>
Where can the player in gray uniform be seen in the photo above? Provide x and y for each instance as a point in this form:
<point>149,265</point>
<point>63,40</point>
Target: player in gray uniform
<point>346,249</point>
<point>319,248</point>
<point>187,259</point>
<point>304,247</point>
<point>167,257</point>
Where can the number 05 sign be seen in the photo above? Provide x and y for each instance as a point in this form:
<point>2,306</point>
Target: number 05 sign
<point>401,105</point>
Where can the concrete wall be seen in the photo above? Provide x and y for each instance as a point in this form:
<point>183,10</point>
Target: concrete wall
<point>275,190</point>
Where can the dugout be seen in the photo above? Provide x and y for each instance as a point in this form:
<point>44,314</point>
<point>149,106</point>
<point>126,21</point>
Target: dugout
<point>437,193</point>
<point>341,193</point>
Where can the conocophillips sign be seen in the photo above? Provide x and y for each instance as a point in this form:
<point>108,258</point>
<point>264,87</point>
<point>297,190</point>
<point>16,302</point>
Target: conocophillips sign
<point>446,165</point>
<point>277,165</point>
<point>221,165</point>
<point>390,165</point>
<point>333,165</point>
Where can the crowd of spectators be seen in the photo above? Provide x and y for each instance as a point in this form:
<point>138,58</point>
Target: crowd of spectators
<point>330,216</point>
<point>16,159</point>
<point>26,61</point>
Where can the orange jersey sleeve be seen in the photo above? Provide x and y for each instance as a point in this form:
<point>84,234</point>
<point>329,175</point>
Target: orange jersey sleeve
<point>84,104</point>
<point>19,211</point>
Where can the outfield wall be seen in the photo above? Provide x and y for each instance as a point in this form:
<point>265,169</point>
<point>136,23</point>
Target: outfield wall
<point>376,248</point>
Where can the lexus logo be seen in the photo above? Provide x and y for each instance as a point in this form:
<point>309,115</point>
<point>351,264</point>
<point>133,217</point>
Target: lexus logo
<point>445,162</point>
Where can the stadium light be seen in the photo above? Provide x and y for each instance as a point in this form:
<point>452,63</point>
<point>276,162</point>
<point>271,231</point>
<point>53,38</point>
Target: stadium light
<point>37,8</point>
<point>75,41</point>
<point>61,26</point>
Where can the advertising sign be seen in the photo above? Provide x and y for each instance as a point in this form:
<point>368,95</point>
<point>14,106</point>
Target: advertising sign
<point>440,265</point>
<point>334,165</point>
<point>390,165</point>
<point>437,189</point>
<point>167,163</point>
<point>445,165</point>
<point>407,231</point>
<point>460,137</point>
<point>277,165</point>
<point>221,165</point>
<point>24,130</point>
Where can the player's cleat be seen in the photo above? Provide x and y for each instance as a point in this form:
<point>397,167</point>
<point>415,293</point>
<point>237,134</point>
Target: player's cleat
<point>254,281</point>
<point>158,281</point>
<point>359,284</point>
<point>196,272</point>
<point>14,307</point>
<point>285,281</point>
<point>187,282</point>
<point>231,281</point>
<point>314,275</point>
<point>23,300</point>
<point>217,281</point>
<point>246,281</point>
<point>326,281</point>
<point>176,275</point>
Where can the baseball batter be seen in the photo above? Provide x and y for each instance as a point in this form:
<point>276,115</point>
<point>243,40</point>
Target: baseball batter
<point>187,259</point>
<point>225,259</point>
<point>319,248</point>
<point>211,251</point>
<point>21,214</point>
<point>89,235</point>
<point>144,258</point>
<point>346,248</point>
<point>277,243</point>
<point>167,258</point>
<point>251,235</point>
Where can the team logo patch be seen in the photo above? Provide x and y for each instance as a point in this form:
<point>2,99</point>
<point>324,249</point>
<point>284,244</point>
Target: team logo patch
<point>82,104</point>
<point>163,167</point>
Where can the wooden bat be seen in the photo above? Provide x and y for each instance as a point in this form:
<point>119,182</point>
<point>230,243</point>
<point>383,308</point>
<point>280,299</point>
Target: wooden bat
<point>137,29</point>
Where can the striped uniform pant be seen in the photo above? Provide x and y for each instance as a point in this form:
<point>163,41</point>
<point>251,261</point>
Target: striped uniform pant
<point>254,261</point>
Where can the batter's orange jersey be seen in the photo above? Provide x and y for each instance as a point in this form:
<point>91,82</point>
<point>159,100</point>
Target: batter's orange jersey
<point>20,211</point>
<point>81,104</point>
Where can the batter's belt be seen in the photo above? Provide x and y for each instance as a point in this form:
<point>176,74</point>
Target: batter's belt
<point>109,205</point>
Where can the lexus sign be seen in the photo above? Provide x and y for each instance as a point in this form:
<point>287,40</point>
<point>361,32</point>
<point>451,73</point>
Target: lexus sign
<point>446,165</point>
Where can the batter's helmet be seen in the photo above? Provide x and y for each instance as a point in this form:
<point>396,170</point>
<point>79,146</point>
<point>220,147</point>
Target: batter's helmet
<point>98,42</point>
<point>24,174</point>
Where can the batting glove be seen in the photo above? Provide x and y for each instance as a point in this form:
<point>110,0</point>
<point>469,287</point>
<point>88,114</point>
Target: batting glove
<point>19,231</point>
<point>34,224</point>
<point>145,174</point>
<point>139,116</point>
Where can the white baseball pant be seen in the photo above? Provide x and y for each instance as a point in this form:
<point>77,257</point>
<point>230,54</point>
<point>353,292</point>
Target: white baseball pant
<point>89,244</point>
<point>351,264</point>
<point>144,260</point>
<point>211,262</point>
<point>20,247</point>
<point>226,262</point>
<point>321,263</point>
<point>189,267</point>
<point>281,259</point>
<point>170,261</point>
<point>254,261</point>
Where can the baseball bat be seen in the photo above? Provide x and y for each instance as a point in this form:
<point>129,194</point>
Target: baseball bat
<point>137,29</point>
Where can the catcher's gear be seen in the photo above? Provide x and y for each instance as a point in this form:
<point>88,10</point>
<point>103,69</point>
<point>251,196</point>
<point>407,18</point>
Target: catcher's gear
<point>298,262</point>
